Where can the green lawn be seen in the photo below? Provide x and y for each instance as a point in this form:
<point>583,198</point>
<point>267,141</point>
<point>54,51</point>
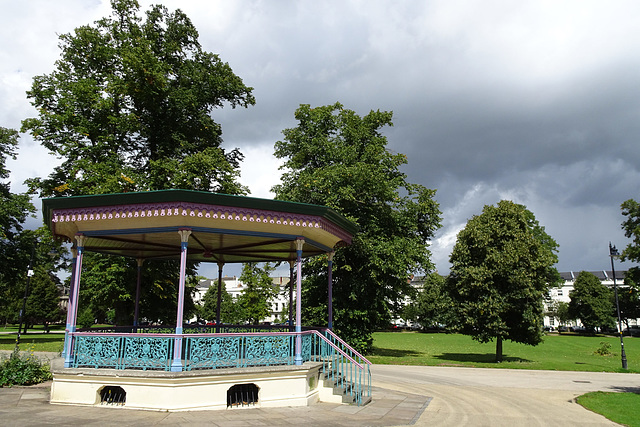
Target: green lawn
<point>622,408</point>
<point>557,352</point>
<point>33,341</point>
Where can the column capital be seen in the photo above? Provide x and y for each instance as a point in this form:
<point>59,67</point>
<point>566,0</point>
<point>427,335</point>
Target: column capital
<point>330,255</point>
<point>184,234</point>
<point>299,243</point>
<point>80,238</point>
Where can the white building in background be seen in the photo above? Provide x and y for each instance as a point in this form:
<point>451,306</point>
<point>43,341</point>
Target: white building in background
<point>235,287</point>
<point>561,293</point>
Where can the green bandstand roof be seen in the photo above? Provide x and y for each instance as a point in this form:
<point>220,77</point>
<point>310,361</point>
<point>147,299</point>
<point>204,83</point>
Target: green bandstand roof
<point>224,228</point>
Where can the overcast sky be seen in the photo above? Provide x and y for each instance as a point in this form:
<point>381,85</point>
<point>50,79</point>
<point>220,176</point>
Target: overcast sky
<point>533,101</point>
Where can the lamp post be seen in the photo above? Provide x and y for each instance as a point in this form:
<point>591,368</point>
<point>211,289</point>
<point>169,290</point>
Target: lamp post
<point>613,252</point>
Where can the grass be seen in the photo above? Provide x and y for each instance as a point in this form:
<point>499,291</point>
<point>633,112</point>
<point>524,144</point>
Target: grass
<point>36,341</point>
<point>557,352</point>
<point>36,328</point>
<point>622,408</point>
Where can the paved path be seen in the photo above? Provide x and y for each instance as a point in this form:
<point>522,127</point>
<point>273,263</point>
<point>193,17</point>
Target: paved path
<point>502,397</point>
<point>402,395</point>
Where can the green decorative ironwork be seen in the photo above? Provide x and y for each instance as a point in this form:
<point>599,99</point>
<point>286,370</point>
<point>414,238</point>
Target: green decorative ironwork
<point>147,353</point>
<point>267,350</point>
<point>97,351</point>
<point>212,352</point>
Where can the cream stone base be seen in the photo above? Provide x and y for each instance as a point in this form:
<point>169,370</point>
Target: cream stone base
<point>197,390</point>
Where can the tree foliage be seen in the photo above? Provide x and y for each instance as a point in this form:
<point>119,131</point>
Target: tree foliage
<point>257,297</point>
<point>336,158</point>
<point>231,311</point>
<point>128,107</point>
<point>43,303</point>
<point>502,266</point>
<point>432,306</point>
<point>109,284</point>
<point>631,228</point>
<point>629,296</point>
<point>591,302</point>
<point>16,243</point>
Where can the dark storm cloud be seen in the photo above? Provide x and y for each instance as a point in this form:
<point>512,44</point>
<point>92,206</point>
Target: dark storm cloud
<point>535,101</point>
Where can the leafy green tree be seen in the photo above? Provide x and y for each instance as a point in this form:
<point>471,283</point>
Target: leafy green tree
<point>16,244</point>
<point>629,296</point>
<point>128,107</point>
<point>109,283</point>
<point>559,310</point>
<point>336,158</point>
<point>43,303</point>
<point>502,266</point>
<point>591,302</point>
<point>631,227</point>
<point>231,311</point>
<point>257,297</point>
<point>432,305</point>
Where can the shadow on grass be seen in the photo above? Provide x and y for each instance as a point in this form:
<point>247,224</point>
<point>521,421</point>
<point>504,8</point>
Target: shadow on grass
<point>29,339</point>
<point>392,352</point>
<point>478,358</point>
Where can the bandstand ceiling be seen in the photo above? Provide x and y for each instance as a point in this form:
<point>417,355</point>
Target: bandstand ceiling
<point>223,228</point>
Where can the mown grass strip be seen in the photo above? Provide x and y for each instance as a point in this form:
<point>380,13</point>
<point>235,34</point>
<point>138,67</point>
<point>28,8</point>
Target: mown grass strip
<point>556,352</point>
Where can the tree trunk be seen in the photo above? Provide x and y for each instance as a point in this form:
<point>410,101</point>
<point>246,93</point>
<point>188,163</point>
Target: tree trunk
<point>499,350</point>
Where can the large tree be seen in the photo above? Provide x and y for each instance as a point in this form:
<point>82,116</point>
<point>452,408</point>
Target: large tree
<point>591,302</point>
<point>16,244</point>
<point>335,157</point>
<point>502,266</point>
<point>128,107</point>
<point>630,297</point>
<point>231,311</point>
<point>432,304</point>
<point>43,303</point>
<point>257,297</point>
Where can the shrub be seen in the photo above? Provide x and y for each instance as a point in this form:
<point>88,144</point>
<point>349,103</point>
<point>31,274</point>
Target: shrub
<point>604,349</point>
<point>23,369</point>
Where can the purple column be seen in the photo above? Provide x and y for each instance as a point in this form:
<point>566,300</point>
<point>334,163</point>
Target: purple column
<point>298,357</point>
<point>220,265</point>
<point>330,289</point>
<point>72,310</point>
<point>176,365</point>
<point>136,314</point>
<point>74,257</point>
<point>292,266</point>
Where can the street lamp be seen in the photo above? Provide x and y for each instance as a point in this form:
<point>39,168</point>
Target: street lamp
<point>613,252</point>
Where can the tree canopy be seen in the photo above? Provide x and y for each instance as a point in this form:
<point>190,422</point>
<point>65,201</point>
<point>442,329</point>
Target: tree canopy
<point>16,243</point>
<point>432,306</point>
<point>128,107</point>
<point>256,299</point>
<point>502,266</point>
<point>591,302</point>
<point>335,157</point>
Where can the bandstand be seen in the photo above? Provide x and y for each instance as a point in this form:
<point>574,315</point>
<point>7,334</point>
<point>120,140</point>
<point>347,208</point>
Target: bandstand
<point>222,366</point>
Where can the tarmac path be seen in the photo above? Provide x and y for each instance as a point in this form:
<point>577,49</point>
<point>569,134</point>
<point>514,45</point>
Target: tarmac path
<point>502,397</point>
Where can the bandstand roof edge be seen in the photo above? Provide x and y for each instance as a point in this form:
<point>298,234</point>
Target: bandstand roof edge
<point>224,228</point>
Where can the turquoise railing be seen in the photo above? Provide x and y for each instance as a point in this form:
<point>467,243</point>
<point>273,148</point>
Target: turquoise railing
<point>348,369</point>
<point>154,351</point>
